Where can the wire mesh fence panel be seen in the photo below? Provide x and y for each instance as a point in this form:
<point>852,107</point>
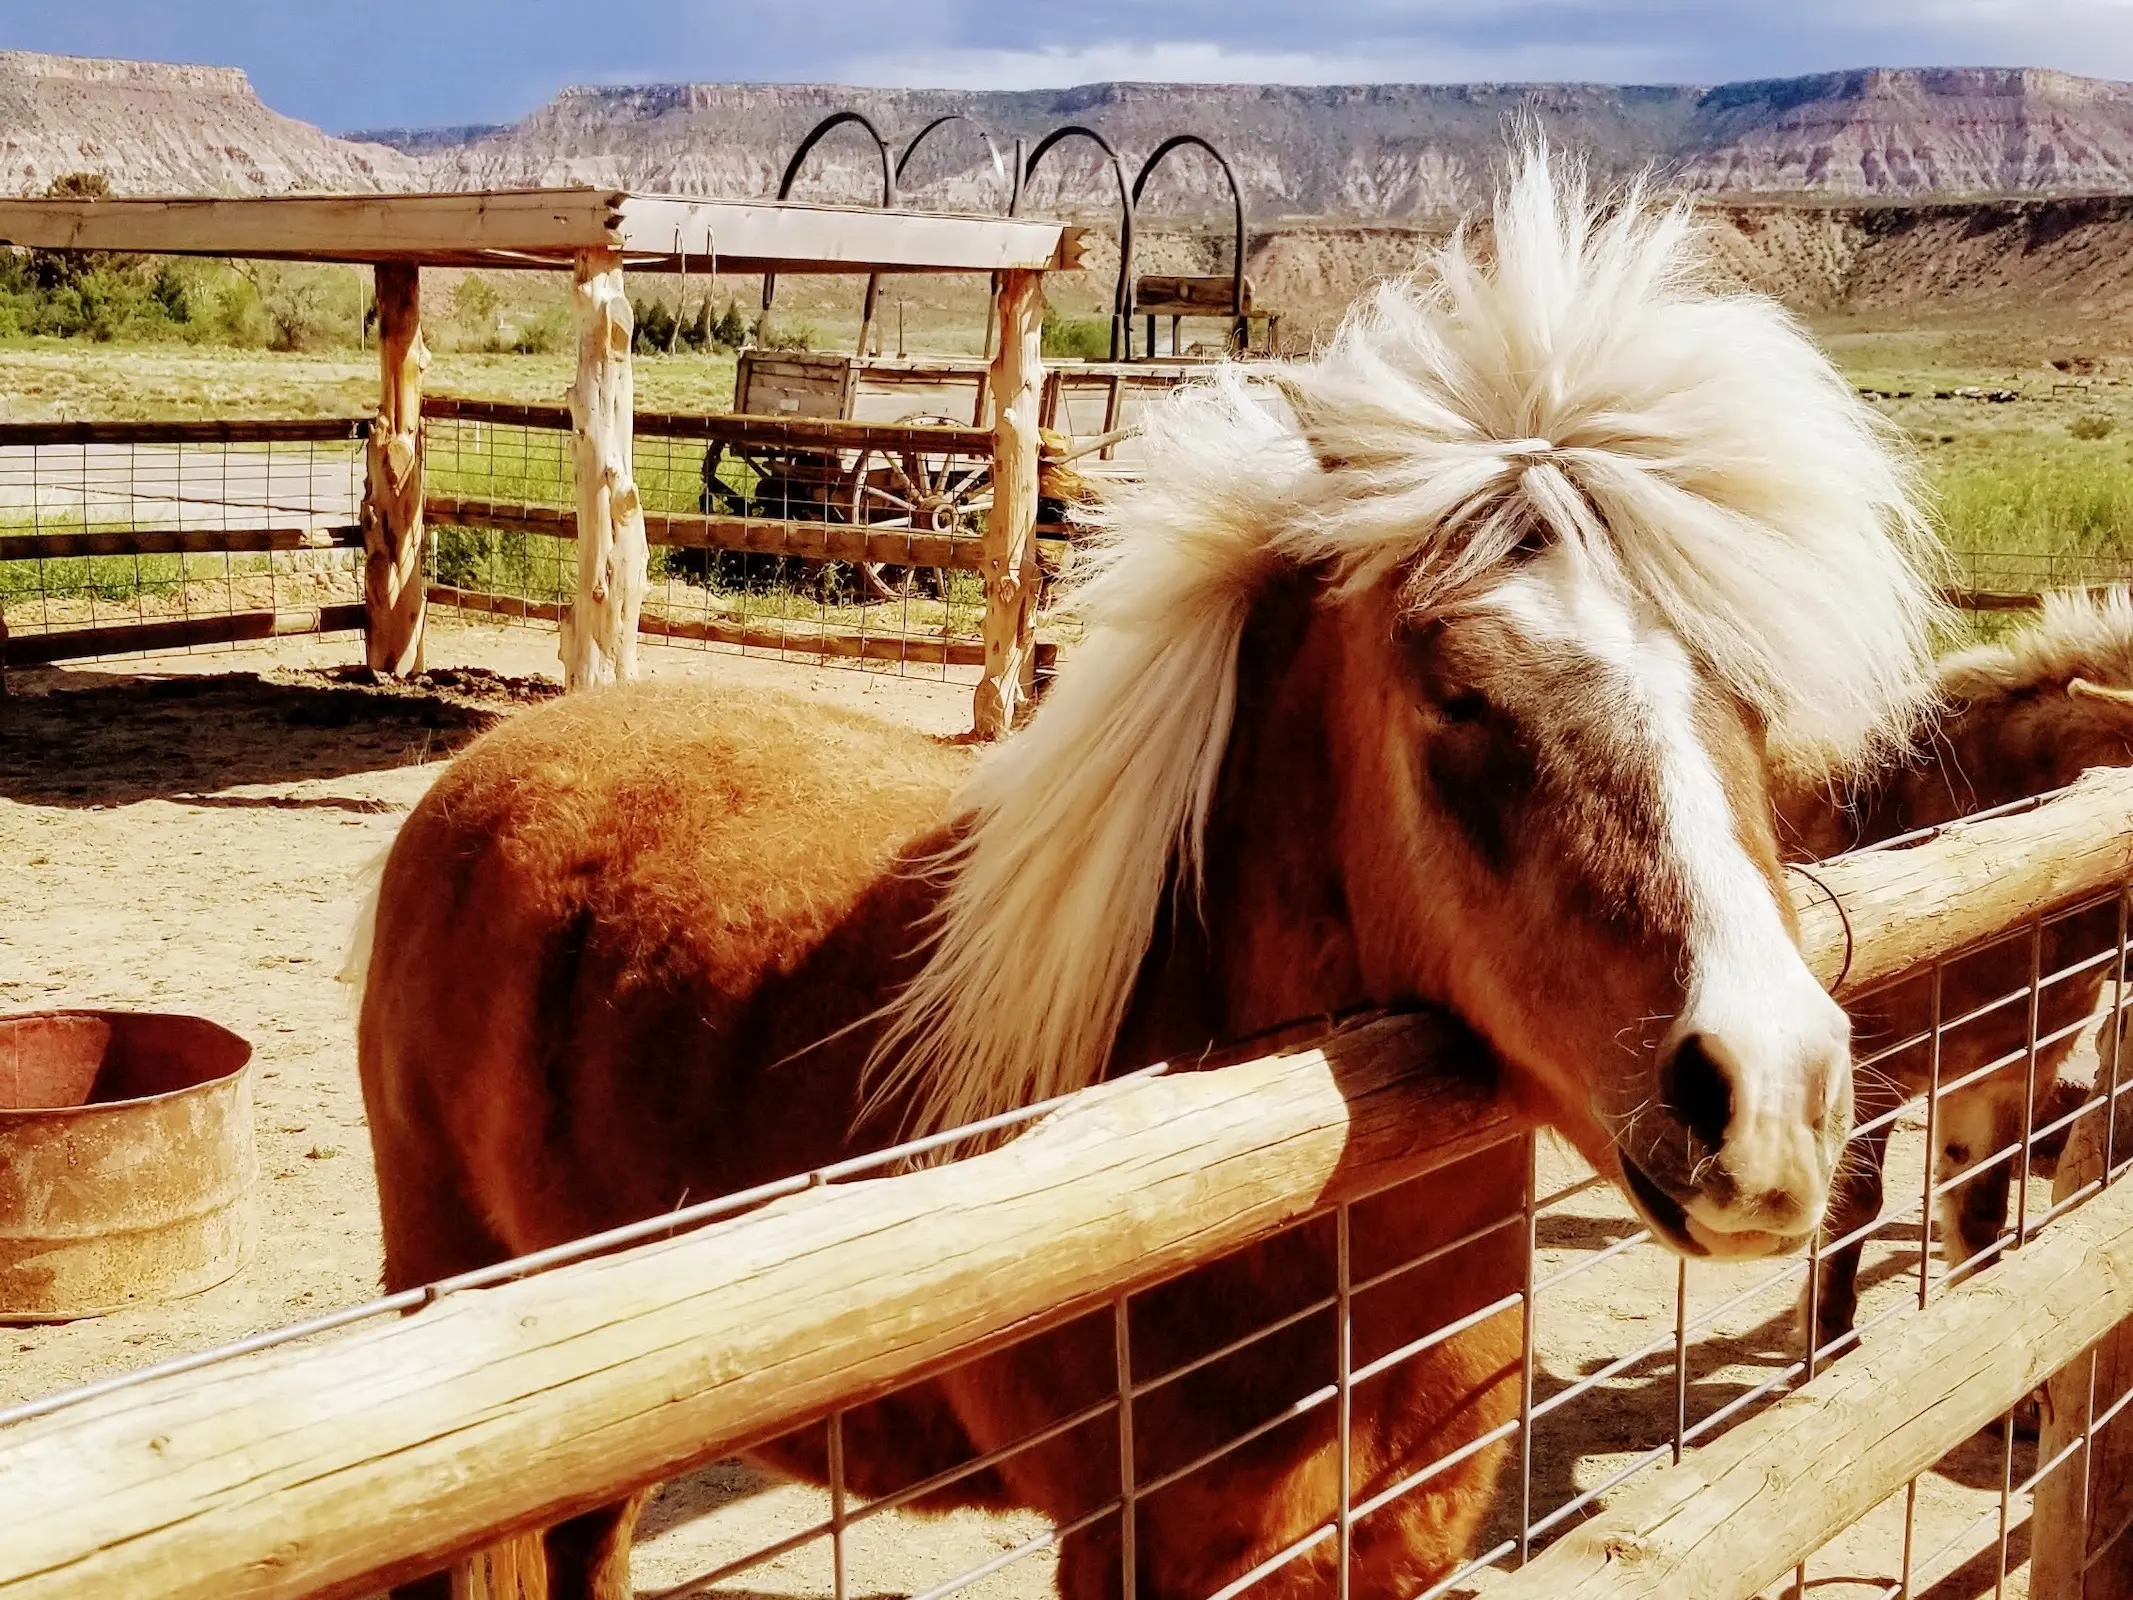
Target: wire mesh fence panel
<point>1420,1389</point>
<point>855,548</point>
<point>1415,1393</point>
<point>2036,572</point>
<point>140,536</point>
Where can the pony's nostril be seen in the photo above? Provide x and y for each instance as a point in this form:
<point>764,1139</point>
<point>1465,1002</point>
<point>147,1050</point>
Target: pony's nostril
<point>1695,1091</point>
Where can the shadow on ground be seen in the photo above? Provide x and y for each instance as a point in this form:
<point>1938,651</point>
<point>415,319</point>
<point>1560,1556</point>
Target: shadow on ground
<point>81,739</point>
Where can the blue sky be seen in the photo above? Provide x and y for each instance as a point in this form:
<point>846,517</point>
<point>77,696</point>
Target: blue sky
<point>484,60</point>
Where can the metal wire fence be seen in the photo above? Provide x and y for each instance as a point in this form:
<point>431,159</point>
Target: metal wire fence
<point>852,543</point>
<point>139,536</point>
<point>1454,1371</point>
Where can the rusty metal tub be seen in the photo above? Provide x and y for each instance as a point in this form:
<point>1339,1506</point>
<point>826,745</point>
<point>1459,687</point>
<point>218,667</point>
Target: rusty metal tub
<point>128,1172</point>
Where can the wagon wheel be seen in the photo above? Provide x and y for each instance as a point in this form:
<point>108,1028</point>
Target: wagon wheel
<point>924,491</point>
<point>772,483</point>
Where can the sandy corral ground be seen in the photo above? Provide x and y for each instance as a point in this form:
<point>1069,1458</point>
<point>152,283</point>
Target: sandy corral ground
<point>188,834</point>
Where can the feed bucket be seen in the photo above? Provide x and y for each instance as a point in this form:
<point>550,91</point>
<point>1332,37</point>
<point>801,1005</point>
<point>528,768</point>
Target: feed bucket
<point>128,1172</point>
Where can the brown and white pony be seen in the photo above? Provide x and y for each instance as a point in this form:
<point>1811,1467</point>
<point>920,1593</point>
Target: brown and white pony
<point>1446,669</point>
<point>2014,718</point>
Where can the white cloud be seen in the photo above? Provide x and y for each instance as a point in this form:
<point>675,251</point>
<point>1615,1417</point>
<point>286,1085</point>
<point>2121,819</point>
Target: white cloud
<point>1203,61</point>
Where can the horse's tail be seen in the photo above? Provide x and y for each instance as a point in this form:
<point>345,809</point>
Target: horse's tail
<point>355,967</point>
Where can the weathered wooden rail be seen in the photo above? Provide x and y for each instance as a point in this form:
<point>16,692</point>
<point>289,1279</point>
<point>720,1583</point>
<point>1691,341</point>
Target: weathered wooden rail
<point>327,1470</point>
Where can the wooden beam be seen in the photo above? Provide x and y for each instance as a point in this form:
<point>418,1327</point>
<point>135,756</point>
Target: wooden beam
<point>600,634</point>
<point>175,541</point>
<point>322,227</point>
<point>332,1470</point>
<point>1895,910</point>
<point>178,633</point>
<point>1010,566</point>
<point>545,228</point>
<point>1740,1513</point>
<point>788,237</point>
<point>392,489</point>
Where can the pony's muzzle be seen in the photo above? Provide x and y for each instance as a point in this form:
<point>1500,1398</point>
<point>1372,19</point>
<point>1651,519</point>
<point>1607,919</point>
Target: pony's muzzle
<point>1755,1121</point>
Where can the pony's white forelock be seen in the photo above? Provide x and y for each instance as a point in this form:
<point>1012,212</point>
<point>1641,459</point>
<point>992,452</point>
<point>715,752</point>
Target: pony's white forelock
<point>1585,375</point>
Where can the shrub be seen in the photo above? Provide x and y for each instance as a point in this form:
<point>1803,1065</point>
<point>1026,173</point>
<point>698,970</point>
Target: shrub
<point>730,332</point>
<point>542,334</point>
<point>788,336</point>
<point>2092,426</point>
<point>1077,338</point>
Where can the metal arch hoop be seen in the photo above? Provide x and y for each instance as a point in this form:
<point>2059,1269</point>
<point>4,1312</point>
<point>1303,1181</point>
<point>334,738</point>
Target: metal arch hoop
<point>999,167</point>
<point>821,130</point>
<point>1120,296</point>
<point>1236,200</point>
<point>815,135</point>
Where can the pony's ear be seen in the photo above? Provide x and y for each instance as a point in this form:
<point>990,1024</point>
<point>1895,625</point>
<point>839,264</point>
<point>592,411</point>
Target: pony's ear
<point>2103,695</point>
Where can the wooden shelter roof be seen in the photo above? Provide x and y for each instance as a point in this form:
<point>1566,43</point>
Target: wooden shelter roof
<point>545,228</point>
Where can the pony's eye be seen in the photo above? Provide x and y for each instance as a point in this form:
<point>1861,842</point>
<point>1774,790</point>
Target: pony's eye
<point>1464,705</point>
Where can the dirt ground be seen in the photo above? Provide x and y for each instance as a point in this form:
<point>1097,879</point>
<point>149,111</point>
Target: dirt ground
<point>188,834</point>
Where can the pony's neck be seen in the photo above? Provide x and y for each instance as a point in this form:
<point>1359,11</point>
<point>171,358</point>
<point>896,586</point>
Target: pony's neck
<point>1269,940</point>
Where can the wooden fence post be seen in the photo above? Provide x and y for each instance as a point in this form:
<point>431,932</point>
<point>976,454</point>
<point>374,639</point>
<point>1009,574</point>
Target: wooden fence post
<point>392,490</point>
<point>1010,558</point>
<point>516,1569</point>
<point>600,630</point>
<point>2081,1527</point>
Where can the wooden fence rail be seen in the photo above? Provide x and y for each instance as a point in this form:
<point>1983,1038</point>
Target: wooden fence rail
<point>211,430</point>
<point>736,428</point>
<point>175,541</point>
<point>176,633</point>
<point>816,541</point>
<point>1741,1512</point>
<point>791,639</point>
<point>325,1471</point>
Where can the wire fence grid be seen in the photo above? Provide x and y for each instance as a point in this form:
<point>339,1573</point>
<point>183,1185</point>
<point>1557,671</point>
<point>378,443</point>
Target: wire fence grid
<point>758,546</point>
<point>1457,1370</point>
<point>1624,1355</point>
<point>106,528</point>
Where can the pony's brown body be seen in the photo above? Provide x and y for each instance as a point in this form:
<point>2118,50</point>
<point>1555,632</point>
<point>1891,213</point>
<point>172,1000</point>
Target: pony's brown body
<point>2013,724</point>
<point>642,913</point>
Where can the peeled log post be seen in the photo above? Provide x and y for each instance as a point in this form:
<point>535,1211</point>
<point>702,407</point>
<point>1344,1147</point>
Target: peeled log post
<point>600,631</point>
<point>392,491</point>
<point>1010,559</point>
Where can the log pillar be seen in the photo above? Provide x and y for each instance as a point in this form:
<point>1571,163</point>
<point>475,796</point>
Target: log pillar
<point>600,630</point>
<point>392,491</point>
<point>1009,560</point>
<point>516,1569</point>
<point>2081,1543</point>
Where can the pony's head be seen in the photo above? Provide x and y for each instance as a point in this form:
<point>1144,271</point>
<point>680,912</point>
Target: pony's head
<point>1587,539</point>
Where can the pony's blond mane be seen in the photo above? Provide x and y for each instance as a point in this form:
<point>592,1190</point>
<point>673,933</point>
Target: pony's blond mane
<point>2077,635</point>
<point>1588,375</point>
